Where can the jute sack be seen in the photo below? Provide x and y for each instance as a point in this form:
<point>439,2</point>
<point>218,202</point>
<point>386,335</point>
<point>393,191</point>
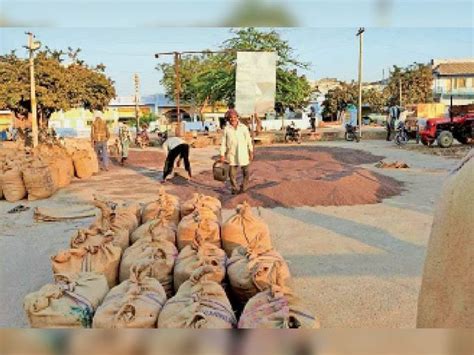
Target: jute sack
<point>160,255</point>
<point>103,258</point>
<point>252,270</point>
<point>68,303</point>
<point>135,303</point>
<point>83,164</point>
<point>1,184</point>
<point>134,208</point>
<point>198,201</point>
<point>59,162</point>
<point>155,229</point>
<point>88,237</point>
<point>197,223</point>
<point>12,185</point>
<point>198,254</point>
<point>166,205</point>
<point>199,303</point>
<point>113,218</point>
<point>276,308</point>
<point>38,181</point>
<point>243,228</point>
<point>62,170</point>
<point>446,297</point>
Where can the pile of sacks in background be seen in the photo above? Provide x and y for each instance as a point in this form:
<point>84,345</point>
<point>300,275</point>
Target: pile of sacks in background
<point>169,265</point>
<point>39,172</point>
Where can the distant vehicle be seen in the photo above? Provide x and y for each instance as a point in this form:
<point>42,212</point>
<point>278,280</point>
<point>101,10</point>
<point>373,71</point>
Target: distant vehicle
<point>292,134</point>
<point>407,130</point>
<point>351,133</point>
<point>445,130</point>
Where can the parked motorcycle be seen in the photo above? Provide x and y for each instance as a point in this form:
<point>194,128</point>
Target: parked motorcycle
<point>401,137</point>
<point>142,139</point>
<point>351,133</point>
<point>292,134</point>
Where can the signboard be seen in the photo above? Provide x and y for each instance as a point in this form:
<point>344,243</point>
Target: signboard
<point>255,85</point>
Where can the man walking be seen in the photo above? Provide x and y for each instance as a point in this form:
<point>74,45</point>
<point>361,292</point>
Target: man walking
<point>99,137</point>
<point>125,139</point>
<point>393,115</point>
<point>312,118</point>
<point>237,149</point>
<point>175,147</point>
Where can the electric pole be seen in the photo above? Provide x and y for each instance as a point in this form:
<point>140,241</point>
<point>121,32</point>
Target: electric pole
<point>177,59</point>
<point>400,88</point>
<point>360,33</point>
<point>136,80</point>
<point>32,46</point>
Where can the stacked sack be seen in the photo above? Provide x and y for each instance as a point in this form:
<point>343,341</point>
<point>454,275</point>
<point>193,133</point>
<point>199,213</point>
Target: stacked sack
<point>135,303</point>
<point>259,276</point>
<point>68,303</point>
<point>200,303</point>
<point>153,285</point>
<point>83,156</point>
<point>59,162</point>
<point>39,172</point>
<point>154,241</point>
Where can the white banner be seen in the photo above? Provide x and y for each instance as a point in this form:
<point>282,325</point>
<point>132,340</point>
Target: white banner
<point>255,84</point>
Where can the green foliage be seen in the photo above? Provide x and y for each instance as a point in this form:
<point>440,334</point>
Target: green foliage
<point>58,86</point>
<point>416,83</point>
<point>208,79</point>
<point>416,80</point>
<point>147,118</point>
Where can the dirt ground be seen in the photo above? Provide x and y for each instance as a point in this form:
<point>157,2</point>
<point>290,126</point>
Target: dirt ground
<point>457,151</point>
<point>355,264</point>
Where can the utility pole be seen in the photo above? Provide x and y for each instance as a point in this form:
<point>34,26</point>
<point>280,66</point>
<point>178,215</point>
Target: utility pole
<point>177,59</point>
<point>32,46</point>
<point>360,33</point>
<point>400,89</point>
<point>136,80</point>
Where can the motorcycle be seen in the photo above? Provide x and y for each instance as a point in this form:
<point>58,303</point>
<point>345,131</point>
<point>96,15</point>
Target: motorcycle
<point>292,134</point>
<point>401,137</point>
<point>351,133</point>
<point>142,140</point>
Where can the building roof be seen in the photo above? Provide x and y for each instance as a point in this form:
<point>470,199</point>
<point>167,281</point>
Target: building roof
<point>463,68</point>
<point>159,100</point>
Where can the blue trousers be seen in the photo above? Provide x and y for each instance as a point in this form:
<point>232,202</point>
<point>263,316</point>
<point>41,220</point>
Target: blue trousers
<point>102,154</point>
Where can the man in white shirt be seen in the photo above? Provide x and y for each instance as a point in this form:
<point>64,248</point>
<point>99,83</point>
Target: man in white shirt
<point>237,149</point>
<point>175,147</point>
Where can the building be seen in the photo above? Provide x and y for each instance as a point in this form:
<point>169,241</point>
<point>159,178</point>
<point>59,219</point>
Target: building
<point>453,77</point>
<point>6,119</point>
<point>323,85</point>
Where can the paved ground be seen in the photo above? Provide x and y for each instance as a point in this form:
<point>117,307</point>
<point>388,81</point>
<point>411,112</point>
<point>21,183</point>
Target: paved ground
<point>355,266</point>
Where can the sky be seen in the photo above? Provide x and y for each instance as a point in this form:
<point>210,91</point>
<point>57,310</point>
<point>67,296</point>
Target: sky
<point>125,35</point>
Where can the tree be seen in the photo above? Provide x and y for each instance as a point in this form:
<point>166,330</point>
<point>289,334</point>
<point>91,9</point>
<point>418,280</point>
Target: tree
<point>58,86</point>
<point>208,79</point>
<point>337,98</point>
<point>416,81</point>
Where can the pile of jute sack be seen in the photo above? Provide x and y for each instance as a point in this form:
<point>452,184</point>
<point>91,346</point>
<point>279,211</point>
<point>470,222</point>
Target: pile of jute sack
<point>168,264</point>
<point>39,172</point>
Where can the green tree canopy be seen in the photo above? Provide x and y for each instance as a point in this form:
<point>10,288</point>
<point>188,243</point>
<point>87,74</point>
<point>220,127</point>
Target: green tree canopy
<point>416,81</point>
<point>207,78</point>
<point>59,86</point>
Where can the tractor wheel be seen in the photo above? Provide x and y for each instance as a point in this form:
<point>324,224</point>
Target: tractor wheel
<point>445,139</point>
